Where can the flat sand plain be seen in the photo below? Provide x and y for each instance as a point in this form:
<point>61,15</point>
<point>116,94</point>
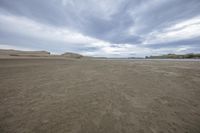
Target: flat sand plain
<point>99,96</point>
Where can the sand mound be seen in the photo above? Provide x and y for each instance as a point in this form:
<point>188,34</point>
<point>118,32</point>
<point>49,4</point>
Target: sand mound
<point>72,55</point>
<point>24,53</point>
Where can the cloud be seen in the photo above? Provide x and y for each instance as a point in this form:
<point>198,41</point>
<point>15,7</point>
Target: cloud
<point>26,27</point>
<point>181,31</point>
<point>102,28</point>
<point>29,28</point>
<point>5,46</point>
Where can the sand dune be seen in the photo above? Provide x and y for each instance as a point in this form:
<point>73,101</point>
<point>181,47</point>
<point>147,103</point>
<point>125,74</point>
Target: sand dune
<point>72,55</point>
<point>24,53</point>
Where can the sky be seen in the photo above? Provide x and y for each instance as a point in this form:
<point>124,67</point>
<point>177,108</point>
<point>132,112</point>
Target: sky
<point>109,28</point>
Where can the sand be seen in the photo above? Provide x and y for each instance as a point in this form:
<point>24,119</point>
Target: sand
<point>99,96</point>
<point>17,53</point>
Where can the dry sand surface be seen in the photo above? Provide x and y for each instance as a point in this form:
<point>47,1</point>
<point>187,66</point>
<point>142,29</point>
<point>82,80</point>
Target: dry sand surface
<point>99,96</point>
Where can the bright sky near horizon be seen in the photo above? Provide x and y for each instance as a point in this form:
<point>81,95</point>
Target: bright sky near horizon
<point>111,28</point>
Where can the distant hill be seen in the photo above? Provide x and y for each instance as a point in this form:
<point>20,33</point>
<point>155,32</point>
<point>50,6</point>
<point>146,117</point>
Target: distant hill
<point>175,56</point>
<point>72,55</point>
<point>24,53</point>
<point>19,53</point>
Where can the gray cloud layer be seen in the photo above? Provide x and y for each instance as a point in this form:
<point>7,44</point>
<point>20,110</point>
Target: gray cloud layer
<point>101,28</point>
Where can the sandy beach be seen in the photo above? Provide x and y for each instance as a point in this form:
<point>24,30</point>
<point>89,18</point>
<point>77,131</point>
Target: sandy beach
<point>99,96</point>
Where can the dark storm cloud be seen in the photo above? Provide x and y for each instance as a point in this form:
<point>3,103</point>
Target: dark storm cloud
<point>112,22</point>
